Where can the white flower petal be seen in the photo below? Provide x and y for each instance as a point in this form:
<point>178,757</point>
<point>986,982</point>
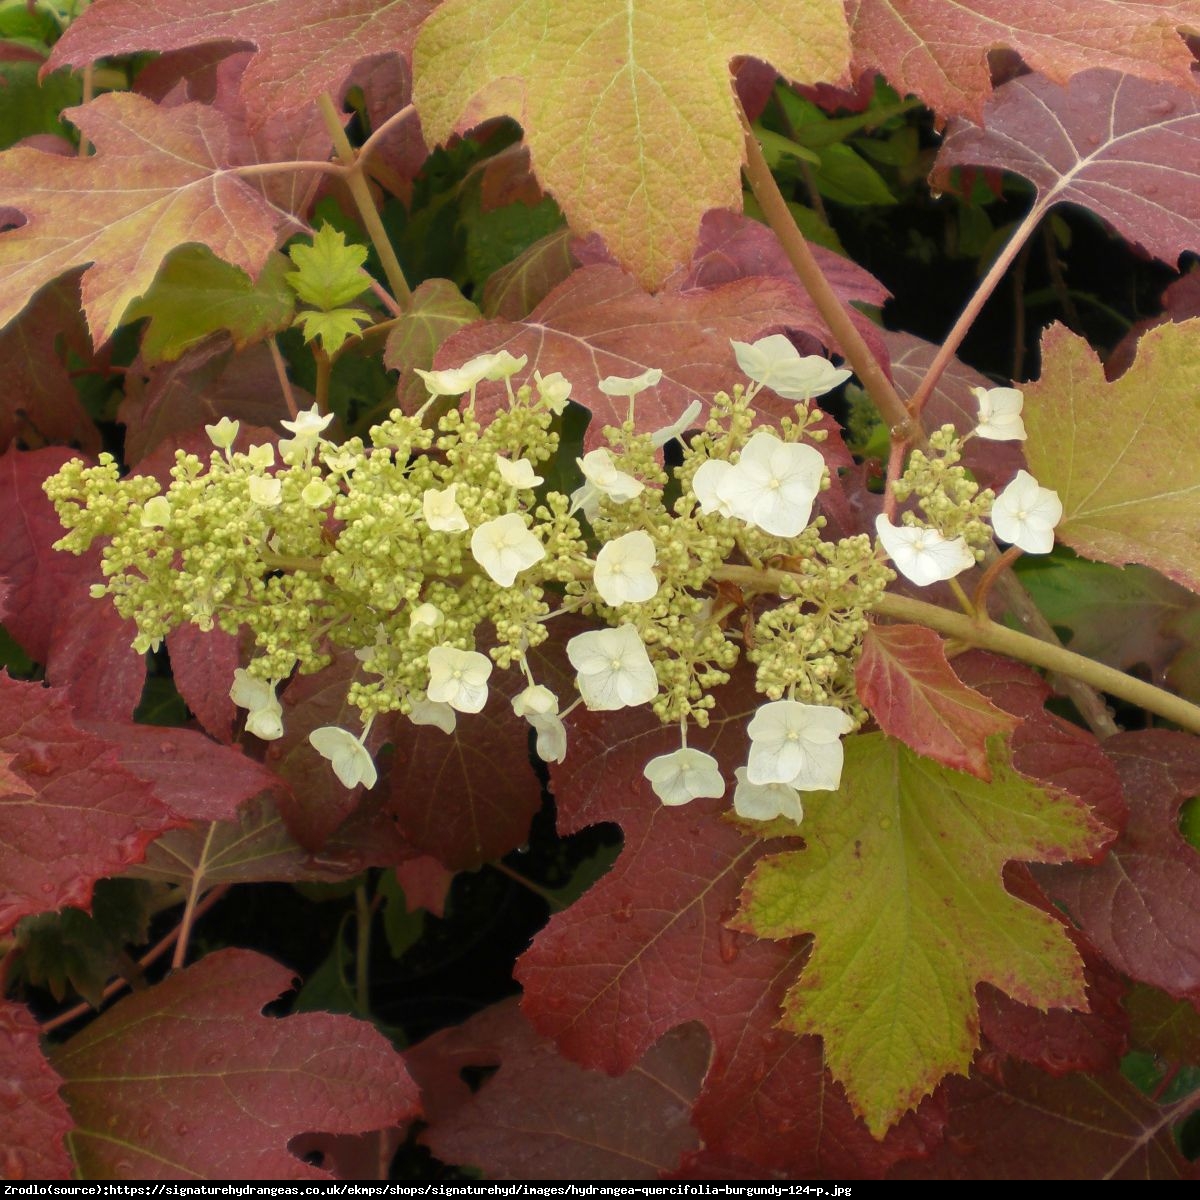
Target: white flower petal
<point>505,547</point>
<point>660,437</point>
<point>775,363</point>
<point>156,513</point>
<point>265,490</point>
<point>765,801</point>
<point>601,472</point>
<point>619,385</point>
<point>554,390</point>
<point>923,555</point>
<point>442,511</point>
<point>773,484</point>
<point>308,427</point>
<point>223,433</point>
<point>458,678</point>
<point>706,483</point>
<point>798,744</point>
<point>518,473</point>
<point>1025,514</point>
<point>1000,414</point>
<point>613,669</point>
<point>351,761</point>
<point>623,573</point>
<point>433,712</point>
<point>551,741</point>
<point>535,701</point>
<point>684,775</point>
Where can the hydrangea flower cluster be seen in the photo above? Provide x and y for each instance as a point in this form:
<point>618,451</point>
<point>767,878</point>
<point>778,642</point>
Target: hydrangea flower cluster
<point>435,554</point>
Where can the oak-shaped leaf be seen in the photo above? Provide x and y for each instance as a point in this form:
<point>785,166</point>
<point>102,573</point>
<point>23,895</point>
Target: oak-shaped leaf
<point>1122,147</point>
<point>909,687</point>
<point>901,885</point>
<point>70,814</point>
<point>628,113</point>
<point>541,1116</point>
<point>1122,455</point>
<point>84,646</point>
<point>647,949</point>
<point>1021,1123</point>
<point>187,1079</point>
<point>1062,1039</point>
<point>304,47</point>
<point>939,49</point>
<point>599,322</point>
<point>33,1117</point>
<point>1138,906</point>
<point>160,178</point>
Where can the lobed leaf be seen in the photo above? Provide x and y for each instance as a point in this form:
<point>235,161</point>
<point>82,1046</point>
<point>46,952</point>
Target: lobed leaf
<point>304,47</point>
<point>69,813</point>
<point>905,927</point>
<point>33,1117</point>
<point>541,1116</point>
<point>1122,147</point>
<point>1122,455</point>
<point>911,690</point>
<point>160,178</point>
<point>188,1079</point>
<point>939,48</point>
<point>653,76</point>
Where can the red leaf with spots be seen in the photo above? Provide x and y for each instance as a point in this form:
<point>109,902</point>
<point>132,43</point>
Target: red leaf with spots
<point>187,1079</point>
<point>543,1117</point>
<point>69,812</point>
<point>1139,905</point>
<point>1025,1124</point>
<point>33,1117</point>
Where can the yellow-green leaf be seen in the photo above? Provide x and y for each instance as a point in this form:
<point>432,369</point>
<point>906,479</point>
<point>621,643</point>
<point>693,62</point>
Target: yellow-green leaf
<point>900,884</point>
<point>329,274</point>
<point>196,294</point>
<point>1124,456</point>
<point>332,329</point>
<point>627,108</point>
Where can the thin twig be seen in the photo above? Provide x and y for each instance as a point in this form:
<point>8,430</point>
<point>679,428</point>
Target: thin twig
<point>285,384</point>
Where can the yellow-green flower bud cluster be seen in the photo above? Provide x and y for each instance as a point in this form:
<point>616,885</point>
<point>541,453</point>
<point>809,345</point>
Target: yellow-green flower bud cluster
<point>396,547</point>
<point>950,499</point>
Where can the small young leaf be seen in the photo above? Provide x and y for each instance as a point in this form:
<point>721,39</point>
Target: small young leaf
<point>332,329</point>
<point>329,273</point>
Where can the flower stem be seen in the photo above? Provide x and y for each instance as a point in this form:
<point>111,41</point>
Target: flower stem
<point>974,306</point>
<point>356,182</point>
<point>987,635</point>
<point>834,312</point>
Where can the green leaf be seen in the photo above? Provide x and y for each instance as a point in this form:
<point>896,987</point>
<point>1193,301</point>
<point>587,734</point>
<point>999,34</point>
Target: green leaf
<point>332,329</point>
<point>196,294</point>
<point>846,177</point>
<point>329,273</point>
<point>775,147</point>
<point>30,106</point>
<point>630,100</point>
<point>403,928</point>
<point>901,885</point>
<point>1123,455</point>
